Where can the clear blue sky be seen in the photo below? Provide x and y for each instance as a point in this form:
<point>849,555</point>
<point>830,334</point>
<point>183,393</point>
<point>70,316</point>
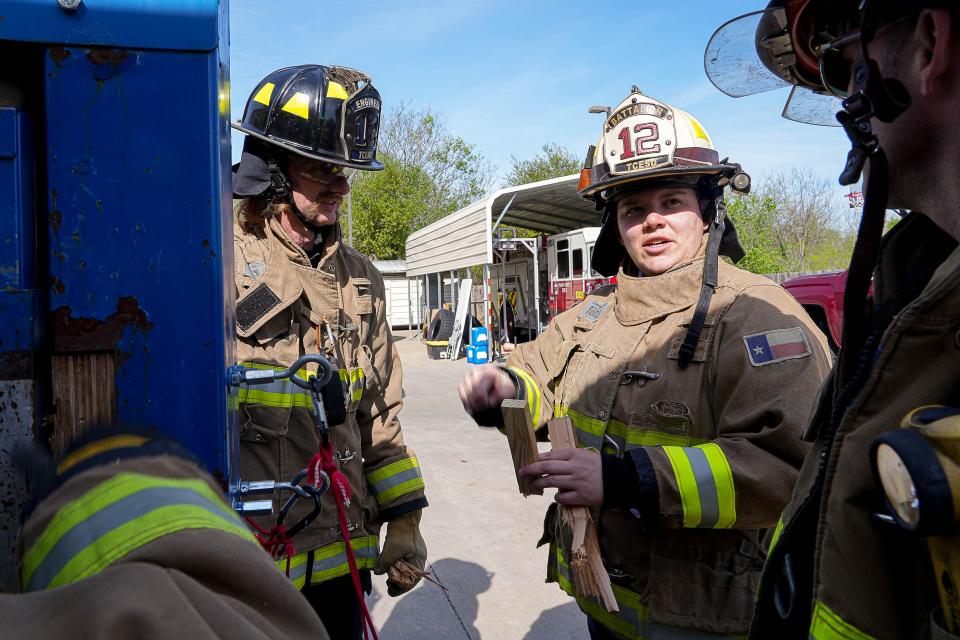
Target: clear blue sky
<point>509,76</point>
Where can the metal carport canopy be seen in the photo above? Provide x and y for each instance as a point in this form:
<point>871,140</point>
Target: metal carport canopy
<point>464,239</point>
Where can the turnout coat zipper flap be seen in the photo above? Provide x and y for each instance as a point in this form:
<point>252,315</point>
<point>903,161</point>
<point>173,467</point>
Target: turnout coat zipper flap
<point>716,446</point>
<point>286,308</point>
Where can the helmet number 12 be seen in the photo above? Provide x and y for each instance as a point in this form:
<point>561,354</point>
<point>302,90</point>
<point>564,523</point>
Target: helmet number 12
<point>644,143</point>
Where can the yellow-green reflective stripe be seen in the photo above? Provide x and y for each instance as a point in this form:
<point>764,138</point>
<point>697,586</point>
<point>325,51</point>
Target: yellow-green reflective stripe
<point>534,397</point>
<point>647,437</point>
<point>589,430</point>
<point>279,393</point>
<point>776,535</point>
<point>396,479</point>
<point>268,399</point>
<point>331,561</point>
<point>117,517</point>
<point>686,485</point>
<point>355,379</point>
<point>357,376</point>
<point>298,569</point>
<point>723,481</point>
<point>826,625</point>
<point>631,622</point>
<point>101,496</point>
<point>705,483</point>
<point>591,433</point>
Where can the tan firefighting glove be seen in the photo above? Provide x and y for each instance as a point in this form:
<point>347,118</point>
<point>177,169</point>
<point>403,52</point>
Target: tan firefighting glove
<point>404,554</point>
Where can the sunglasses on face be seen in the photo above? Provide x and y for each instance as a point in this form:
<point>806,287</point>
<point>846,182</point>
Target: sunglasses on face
<point>324,172</point>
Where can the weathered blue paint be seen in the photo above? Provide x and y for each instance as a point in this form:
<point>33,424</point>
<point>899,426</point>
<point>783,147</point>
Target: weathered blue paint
<point>184,25</point>
<point>19,298</point>
<point>135,180</point>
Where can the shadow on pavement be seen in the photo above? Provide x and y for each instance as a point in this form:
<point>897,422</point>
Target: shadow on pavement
<point>559,623</point>
<point>430,612</point>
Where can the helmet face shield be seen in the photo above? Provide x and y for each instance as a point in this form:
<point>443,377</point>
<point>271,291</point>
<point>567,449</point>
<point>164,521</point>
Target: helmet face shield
<point>731,60</point>
<point>756,53</point>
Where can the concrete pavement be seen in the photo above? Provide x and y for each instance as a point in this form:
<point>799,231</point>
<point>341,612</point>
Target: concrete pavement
<point>481,534</point>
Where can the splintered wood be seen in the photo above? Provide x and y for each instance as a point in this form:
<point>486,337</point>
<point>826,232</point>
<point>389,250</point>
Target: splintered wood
<point>590,578</point>
<point>523,444</point>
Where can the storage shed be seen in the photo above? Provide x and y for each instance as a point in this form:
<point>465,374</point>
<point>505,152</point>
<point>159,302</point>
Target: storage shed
<point>401,294</point>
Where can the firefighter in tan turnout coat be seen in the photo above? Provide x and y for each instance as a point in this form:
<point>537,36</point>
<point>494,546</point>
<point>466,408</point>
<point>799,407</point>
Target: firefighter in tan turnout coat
<point>301,291</point>
<point>692,379</point>
<point>867,547</point>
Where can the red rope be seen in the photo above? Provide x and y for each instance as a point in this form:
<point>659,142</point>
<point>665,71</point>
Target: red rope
<point>341,494</point>
<point>276,542</point>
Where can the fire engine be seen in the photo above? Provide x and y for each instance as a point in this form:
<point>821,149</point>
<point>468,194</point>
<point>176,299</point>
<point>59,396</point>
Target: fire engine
<point>564,278</point>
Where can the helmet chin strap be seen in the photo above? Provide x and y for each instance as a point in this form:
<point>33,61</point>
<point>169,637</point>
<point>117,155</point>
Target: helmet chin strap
<point>873,96</point>
<point>280,186</point>
<point>709,285</point>
<point>885,99</point>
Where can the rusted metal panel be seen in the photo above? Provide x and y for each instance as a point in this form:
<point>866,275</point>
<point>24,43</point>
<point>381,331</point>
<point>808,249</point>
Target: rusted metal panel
<point>84,395</point>
<point>17,411</point>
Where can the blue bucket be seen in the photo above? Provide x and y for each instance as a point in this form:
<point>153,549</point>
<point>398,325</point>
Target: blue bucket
<point>478,336</point>
<point>481,355</point>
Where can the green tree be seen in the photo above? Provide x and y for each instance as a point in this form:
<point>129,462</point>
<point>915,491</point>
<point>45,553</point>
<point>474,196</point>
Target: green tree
<point>753,216</point>
<point>384,205</point>
<point>457,171</point>
<point>429,173</point>
<point>553,161</point>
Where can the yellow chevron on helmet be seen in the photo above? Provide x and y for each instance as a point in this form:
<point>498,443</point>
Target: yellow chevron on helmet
<point>643,139</point>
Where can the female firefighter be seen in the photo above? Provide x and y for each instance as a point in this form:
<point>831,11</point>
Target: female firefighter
<point>688,382</point>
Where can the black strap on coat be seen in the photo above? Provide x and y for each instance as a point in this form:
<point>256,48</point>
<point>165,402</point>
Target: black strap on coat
<point>710,277</point>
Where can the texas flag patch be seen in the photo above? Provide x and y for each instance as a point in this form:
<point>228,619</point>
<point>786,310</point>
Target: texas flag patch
<point>777,345</point>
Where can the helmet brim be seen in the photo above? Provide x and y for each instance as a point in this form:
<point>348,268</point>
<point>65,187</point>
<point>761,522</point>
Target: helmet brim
<point>654,178</point>
<point>376,165</point>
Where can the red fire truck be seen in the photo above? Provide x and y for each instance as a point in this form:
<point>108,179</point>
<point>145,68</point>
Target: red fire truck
<point>564,278</point>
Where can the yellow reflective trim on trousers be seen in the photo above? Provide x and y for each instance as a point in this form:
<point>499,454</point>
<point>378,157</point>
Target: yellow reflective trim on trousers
<point>826,625</point>
<point>534,397</point>
<point>104,520</point>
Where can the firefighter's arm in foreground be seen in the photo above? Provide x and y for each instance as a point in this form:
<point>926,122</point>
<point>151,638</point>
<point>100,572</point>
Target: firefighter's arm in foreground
<point>133,539</point>
<point>762,401</point>
<point>392,469</point>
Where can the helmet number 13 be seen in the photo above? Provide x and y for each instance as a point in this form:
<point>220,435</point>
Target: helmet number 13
<point>644,144</point>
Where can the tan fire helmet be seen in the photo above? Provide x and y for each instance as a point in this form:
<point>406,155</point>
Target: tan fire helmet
<point>646,143</point>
